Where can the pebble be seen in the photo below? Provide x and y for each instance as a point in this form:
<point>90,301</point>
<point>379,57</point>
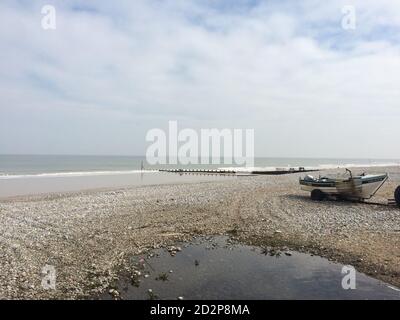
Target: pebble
<point>197,210</point>
<point>114,293</point>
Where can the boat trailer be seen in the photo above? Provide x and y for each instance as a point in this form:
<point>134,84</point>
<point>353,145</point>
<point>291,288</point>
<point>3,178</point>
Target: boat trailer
<point>396,200</point>
<point>354,188</point>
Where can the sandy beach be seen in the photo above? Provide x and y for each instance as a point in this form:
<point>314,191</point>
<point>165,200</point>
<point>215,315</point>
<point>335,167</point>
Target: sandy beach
<point>89,236</point>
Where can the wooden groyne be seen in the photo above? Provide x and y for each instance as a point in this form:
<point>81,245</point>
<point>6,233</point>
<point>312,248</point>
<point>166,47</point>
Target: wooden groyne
<point>202,171</point>
<point>280,171</point>
<point>275,171</point>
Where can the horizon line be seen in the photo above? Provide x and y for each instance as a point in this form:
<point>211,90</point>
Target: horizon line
<point>143,156</point>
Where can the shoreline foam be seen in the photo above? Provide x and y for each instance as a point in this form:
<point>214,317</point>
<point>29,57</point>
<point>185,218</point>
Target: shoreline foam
<point>73,174</point>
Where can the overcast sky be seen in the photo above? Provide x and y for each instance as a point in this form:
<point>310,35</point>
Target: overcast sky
<point>112,70</point>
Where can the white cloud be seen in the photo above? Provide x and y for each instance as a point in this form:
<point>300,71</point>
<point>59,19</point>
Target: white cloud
<point>110,72</point>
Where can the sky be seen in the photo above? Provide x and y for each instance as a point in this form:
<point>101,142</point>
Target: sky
<point>113,70</point>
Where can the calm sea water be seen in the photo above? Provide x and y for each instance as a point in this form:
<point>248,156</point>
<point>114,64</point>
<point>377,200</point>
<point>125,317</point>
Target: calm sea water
<point>62,164</point>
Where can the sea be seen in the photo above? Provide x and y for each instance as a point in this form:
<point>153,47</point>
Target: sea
<point>22,175</point>
<point>12,166</point>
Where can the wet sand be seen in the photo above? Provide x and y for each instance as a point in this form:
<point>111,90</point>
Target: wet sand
<point>89,236</point>
<point>12,186</point>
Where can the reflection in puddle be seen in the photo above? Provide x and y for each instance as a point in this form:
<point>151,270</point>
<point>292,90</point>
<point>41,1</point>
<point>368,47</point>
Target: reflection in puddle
<point>214,268</point>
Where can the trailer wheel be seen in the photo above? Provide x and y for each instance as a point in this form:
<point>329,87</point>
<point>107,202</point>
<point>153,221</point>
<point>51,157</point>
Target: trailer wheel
<point>397,196</point>
<point>317,195</point>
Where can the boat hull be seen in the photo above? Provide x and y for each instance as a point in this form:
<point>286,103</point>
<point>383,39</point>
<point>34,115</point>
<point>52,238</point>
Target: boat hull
<point>360,187</point>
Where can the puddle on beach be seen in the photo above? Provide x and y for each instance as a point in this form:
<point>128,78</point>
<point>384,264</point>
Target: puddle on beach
<point>214,268</point>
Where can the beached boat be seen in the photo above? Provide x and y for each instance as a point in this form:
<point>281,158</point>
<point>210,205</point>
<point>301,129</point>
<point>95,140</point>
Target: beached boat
<point>360,187</point>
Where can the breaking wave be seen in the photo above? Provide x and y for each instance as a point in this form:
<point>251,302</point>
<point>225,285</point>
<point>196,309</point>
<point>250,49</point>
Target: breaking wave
<point>73,174</point>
